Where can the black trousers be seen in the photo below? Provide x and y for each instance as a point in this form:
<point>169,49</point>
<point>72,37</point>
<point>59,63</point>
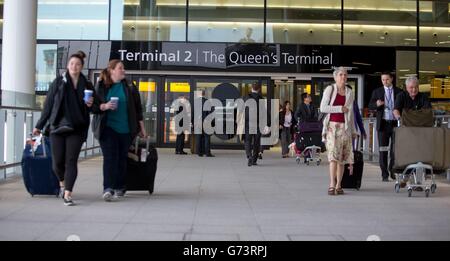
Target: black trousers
<point>203,145</point>
<point>179,144</point>
<point>383,141</point>
<point>252,145</point>
<point>65,151</point>
<point>115,148</point>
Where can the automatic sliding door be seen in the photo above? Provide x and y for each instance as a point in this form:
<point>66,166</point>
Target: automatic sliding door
<point>148,89</point>
<point>174,88</point>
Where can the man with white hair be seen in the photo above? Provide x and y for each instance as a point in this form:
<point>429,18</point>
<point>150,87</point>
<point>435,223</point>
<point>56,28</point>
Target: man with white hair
<point>412,99</point>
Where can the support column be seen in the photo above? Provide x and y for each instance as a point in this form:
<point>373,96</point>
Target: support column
<point>19,53</point>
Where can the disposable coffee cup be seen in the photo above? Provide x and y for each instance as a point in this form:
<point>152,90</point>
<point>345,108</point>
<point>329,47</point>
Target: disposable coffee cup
<point>115,101</point>
<point>87,95</point>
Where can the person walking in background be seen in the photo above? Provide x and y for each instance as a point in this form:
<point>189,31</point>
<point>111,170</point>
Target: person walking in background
<point>306,111</point>
<point>338,128</point>
<point>179,143</point>
<point>203,140</point>
<point>383,100</point>
<point>252,140</point>
<point>117,122</point>
<point>67,110</point>
<point>287,123</point>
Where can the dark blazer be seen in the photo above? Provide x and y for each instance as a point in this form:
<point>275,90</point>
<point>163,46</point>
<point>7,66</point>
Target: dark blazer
<point>378,94</point>
<point>133,103</point>
<point>55,98</point>
<point>293,121</point>
<point>302,114</point>
<point>252,96</point>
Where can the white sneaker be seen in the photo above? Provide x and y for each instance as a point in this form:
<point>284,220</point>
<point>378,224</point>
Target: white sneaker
<point>107,196</point>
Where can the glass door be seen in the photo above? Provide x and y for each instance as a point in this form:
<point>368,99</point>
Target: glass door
<point>149,87</point>
<point>174,88</point>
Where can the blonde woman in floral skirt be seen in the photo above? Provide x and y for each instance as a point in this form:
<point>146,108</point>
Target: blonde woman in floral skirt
<point>338,128</point>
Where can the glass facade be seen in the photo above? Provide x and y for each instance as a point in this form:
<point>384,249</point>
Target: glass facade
<point>434,23</point>
<point>382,22</point>
<point>73,19</point>
<point>305,22</point>
<point>226,21</point>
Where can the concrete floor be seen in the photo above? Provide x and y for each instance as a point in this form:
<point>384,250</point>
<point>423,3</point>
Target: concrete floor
<point>222,199</point>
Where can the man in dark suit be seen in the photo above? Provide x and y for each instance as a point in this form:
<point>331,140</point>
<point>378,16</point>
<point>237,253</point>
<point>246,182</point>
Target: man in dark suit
<point>179,144</point>
<point>306,110</point>
<point>203,140</point>
<point>383,101</point>
<point>252,140</point>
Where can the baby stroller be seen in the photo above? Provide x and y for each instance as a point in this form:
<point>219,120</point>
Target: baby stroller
<point>419,154</point>
<point>308,142</point>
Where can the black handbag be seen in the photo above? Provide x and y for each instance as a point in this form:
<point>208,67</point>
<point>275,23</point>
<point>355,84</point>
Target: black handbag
<point>62,128</point>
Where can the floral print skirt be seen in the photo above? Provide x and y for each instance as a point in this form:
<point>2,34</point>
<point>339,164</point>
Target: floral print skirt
<point>339,143</point>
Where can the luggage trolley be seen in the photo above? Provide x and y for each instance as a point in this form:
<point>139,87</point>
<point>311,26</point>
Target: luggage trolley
<point>310,154</point>
<point>415,176</point>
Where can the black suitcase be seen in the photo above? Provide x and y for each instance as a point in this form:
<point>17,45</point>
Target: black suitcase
<point>141,167</point>
<point>354,181</point>
<point>37,172</point>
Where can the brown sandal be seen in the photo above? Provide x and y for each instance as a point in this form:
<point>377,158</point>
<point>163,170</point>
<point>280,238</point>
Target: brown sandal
<point>339,191</point>
<point>331,191</point>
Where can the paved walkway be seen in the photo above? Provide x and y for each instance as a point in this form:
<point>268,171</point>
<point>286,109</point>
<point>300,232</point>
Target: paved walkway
<point>222,199</point>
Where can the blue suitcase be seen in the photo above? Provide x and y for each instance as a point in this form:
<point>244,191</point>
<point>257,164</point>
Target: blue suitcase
<point>37,170</point>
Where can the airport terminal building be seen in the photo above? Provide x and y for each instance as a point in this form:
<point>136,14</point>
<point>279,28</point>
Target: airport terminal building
<point>172,48</point>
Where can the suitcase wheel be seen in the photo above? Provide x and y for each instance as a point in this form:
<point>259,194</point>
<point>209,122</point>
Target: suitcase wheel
<point>397,188</point>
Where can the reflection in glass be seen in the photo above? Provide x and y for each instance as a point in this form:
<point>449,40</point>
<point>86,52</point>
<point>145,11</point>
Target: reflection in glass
<point>434,23</point>
<point>304,22</point>
<point>148,20</point>
<point>382,22</point>
<point>73,19</point>
<point>45,66</point>
<point>226,21</point>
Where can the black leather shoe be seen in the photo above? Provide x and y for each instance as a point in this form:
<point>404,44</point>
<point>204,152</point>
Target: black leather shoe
<point>249,163</point>
<point>210,155</point>
<point>182,153</point>
<point>393,175</point>
<point>176,152</point>
<point>385,179</point>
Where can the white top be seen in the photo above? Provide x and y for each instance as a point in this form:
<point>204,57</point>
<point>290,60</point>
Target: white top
<point>388,102</point>
<point>288,119</point>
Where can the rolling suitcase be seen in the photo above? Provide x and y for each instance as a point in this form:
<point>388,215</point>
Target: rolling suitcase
<point>354,181</point>
<point>141,167</point>
<point>37,172</point>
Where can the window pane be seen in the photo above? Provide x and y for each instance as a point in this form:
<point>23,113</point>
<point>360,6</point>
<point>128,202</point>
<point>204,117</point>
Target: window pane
<point>406,66</point>
<point>226,21</point>
<point>305,22</point>
<point>434,23</point>
<point>381,22</point>
<point>45,66</point>
<point>148,20</point>
<point>73,19</point>
<point>434,78</point>
<point>1,17</point>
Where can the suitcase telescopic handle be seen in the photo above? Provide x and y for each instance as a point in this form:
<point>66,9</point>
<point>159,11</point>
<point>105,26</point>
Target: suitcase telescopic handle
<point>44,149</point>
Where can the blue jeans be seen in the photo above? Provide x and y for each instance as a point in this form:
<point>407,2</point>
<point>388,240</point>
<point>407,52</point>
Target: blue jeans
<point>115,153</point>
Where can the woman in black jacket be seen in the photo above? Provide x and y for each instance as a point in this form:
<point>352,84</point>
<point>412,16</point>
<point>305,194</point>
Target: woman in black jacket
<point>67,113</point>
<point>115,125</point>
<point>287,123</point>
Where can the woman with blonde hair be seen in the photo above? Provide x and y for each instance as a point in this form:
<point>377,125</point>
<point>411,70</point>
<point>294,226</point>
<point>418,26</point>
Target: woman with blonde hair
<point>338,128</point>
